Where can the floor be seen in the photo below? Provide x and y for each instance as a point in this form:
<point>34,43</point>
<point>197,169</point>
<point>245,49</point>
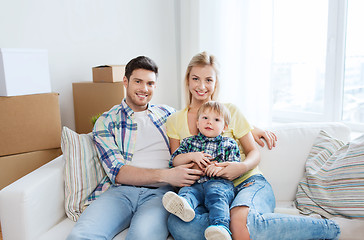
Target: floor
<point>1,235</point>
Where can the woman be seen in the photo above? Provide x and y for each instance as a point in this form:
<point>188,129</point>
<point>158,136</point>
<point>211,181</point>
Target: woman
<point>251,212</point>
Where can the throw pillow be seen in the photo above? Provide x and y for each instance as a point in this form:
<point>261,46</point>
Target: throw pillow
<point>83,170</point>
<point>334,181</point>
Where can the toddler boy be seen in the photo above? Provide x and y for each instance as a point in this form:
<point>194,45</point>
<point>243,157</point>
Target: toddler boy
<point>214,192</point>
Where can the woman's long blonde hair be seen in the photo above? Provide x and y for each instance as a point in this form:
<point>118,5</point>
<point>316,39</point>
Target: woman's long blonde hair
<point>202,59</point>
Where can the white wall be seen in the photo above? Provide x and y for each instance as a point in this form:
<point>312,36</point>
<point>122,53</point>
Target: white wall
<point>238,33</point>
<point>80,34</point>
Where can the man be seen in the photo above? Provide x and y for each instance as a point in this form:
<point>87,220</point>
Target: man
<point>133,147</point>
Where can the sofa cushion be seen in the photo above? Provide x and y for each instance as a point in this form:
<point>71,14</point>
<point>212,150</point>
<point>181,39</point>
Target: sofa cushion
<point>82,172</point>
<point>334,182</point>
<point>284,165</point>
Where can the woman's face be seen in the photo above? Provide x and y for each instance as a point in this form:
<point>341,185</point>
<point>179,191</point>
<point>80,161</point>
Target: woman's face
<point>201,83</point>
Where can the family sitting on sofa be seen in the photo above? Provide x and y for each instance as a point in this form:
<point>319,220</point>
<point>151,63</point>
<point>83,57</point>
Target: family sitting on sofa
<point>134,141</point>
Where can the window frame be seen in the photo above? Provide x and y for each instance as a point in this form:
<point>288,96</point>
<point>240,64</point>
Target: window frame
<point>334,73</point>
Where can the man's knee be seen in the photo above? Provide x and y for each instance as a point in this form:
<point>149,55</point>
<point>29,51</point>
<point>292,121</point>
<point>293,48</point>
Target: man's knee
<point>147,232</point>
<point>73,236</point>
<point>77,235</point>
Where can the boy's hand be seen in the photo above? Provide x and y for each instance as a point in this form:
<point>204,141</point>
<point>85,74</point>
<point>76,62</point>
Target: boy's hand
<point>200,158</point>
<point>195,166</point>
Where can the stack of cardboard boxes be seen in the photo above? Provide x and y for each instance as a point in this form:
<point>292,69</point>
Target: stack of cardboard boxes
<point>30,122</point>
<point>93,98</point>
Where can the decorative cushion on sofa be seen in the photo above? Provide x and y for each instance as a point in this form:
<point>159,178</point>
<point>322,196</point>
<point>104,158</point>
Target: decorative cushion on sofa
<point>82,172</point>
<point>333,184</point>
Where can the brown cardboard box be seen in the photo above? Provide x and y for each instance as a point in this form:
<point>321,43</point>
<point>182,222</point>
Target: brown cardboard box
<point>108,73</point>
<point>91,99</point>
<point>13,167</point>
<point>29,123</point>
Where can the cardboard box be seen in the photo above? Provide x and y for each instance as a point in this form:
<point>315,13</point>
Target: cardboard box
<point>13,167</point>
<point>24,71</point>
<point>29,123</point>
<point>108,73</point>
<point>91,99</point>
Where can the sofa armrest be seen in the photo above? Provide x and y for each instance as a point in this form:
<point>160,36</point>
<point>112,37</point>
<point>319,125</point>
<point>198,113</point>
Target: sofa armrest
<point>34,203</point>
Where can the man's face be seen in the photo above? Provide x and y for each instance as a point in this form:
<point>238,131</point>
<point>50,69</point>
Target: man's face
<point>139,89</point>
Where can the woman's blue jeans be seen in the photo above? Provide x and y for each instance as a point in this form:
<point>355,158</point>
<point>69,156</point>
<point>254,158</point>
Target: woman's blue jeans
<point>216,195</point>
<point>262,223</point>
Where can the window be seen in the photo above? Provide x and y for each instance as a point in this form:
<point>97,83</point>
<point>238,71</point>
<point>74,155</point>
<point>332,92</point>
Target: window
<point>299,45</point>
<point>318,61</point>
<point>354,64</point>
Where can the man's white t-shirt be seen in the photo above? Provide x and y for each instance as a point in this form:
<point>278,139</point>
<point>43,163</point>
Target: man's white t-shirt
<point>151,150</point>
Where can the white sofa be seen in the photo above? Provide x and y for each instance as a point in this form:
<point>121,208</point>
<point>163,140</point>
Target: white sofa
<point>33,206</point>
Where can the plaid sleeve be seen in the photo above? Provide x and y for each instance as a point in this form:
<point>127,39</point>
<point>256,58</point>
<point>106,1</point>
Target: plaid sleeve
<point>107,150</point>
<point>183,148</point>
<point>232,151</point>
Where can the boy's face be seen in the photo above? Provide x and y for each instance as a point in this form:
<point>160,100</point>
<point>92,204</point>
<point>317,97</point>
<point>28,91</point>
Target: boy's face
<point>140,89</point>
<point>210,123</point>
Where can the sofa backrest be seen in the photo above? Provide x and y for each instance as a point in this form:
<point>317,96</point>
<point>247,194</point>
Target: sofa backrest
<point>284,165</point>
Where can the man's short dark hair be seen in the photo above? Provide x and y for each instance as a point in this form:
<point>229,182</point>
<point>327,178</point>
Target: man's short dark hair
<point>141,62</point>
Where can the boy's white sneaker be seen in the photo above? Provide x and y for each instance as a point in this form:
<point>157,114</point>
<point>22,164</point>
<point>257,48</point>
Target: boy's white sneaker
<point>178,206</point>
<point>216,232</point>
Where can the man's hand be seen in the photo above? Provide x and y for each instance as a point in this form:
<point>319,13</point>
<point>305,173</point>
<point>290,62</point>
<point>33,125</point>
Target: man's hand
<point>268,136</point>
<point>182,175</point>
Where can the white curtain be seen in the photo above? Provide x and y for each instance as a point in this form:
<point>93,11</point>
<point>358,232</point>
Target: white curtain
<point>239,33</point>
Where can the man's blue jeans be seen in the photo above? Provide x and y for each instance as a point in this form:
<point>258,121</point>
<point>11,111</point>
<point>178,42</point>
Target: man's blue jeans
<point>120,207</point>
<point>216,195</point>
<point>262,223</point>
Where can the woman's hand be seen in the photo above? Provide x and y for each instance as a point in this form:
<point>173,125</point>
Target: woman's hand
<point>200,158</point>
<point>268,136</point>
<point>231,170</point>
<point>211,170</point>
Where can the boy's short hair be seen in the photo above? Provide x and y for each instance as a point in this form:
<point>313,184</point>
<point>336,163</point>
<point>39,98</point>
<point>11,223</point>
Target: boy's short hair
<point>141,62</point>
<point>217,107</point>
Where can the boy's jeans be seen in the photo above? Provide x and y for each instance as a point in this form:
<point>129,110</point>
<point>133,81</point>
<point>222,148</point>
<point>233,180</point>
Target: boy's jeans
<point>216,195</point>
<point>257,193</point>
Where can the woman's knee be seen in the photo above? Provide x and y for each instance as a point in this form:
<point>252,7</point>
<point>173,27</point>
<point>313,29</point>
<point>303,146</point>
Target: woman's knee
<point>239,214</point>
<point>238,223</point>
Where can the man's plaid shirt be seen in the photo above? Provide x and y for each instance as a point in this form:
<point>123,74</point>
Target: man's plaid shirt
<point>114,135</point>
<point>222,149</point>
